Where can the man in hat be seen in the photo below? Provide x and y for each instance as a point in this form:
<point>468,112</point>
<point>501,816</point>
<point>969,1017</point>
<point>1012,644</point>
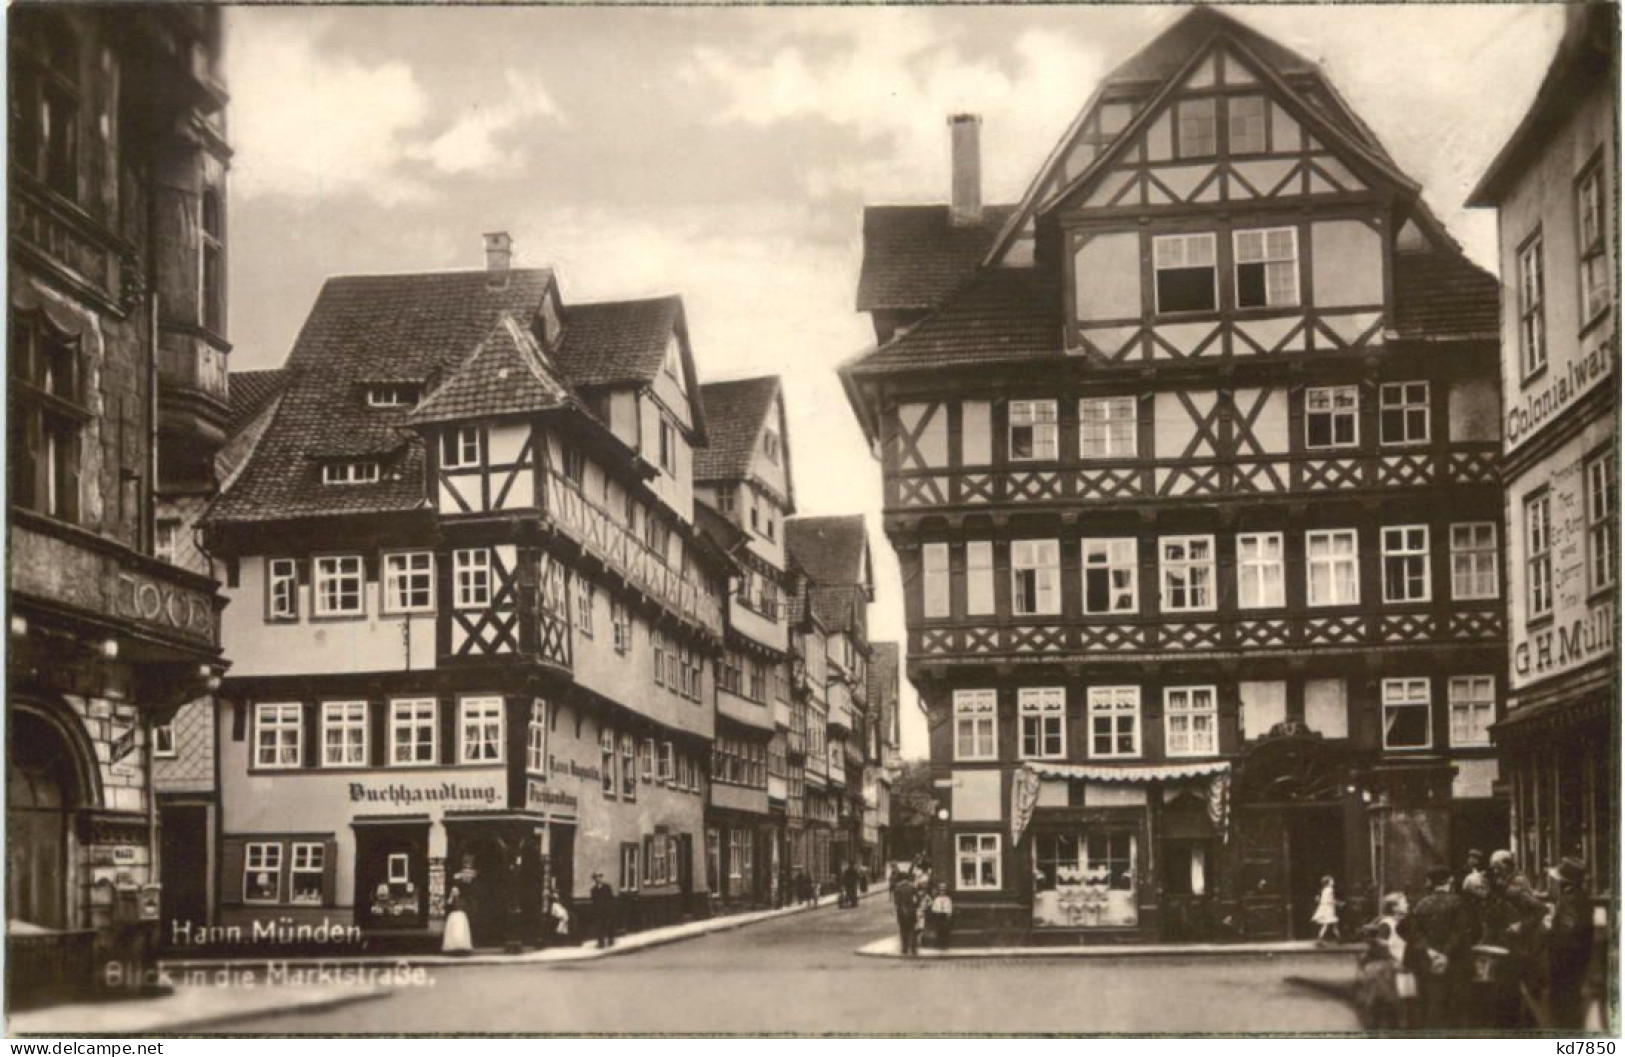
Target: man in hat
<point>1440,947</point>
<point>603,910</point>
<point>1568,945</point>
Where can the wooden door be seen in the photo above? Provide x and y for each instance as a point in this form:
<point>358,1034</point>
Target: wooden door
<point>1261,878</point>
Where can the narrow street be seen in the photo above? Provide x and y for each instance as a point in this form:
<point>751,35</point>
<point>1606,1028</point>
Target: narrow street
<point>800,975</point>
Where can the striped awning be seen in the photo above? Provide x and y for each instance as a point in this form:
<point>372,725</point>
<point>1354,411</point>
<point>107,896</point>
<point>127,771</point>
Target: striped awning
<point>1168,772</point>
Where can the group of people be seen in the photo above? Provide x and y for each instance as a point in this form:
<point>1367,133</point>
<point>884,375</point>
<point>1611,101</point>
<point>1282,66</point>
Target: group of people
<point>468,898</point>
<point>921,910</point>
<point>1482,948</point>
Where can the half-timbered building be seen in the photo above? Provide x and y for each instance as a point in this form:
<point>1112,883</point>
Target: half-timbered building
<point>473,623</point>
<point>1190,465</point>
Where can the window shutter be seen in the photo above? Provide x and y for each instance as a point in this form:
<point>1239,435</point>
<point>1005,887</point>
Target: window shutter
<point>330,855</point>
<point>231,871</point>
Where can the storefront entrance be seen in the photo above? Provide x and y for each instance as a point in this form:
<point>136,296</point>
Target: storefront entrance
<point>42,789</point>
<point>184,852</point>
<point>391,875</point>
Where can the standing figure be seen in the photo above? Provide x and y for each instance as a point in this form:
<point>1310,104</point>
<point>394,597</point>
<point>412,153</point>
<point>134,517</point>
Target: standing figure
<point>458,938</point>
<point>906,901</point>
<point>603,910</point>
<point>1385,983</point>
<point>1441,943</point>
<point>849,886</point>
<point>1568,945</point>
<point>940,917</point>
<point>1326,911</point>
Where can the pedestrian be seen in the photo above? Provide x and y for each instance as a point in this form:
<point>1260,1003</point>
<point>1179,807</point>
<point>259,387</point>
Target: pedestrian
<point>552,914</point>
<point>849,886</point>
<point>906,902</point>
<point>1385,985</point>
<point>458,937</point>
<point>1441,940</point>
<point>1474,866</point>
<point>603,910</point>
<point>940,917</point>
<point>1326,911</point>
<point>1569,938</point>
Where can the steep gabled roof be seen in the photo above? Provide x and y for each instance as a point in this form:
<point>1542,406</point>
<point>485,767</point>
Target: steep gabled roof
<point>1004,315</point>
<point>734,413</point>
<point>506,374</point>
<point>251,390</point>
<point>617,342</point>
<point>1441,295</point>
<point>913,256</point>
<point>832,550</point>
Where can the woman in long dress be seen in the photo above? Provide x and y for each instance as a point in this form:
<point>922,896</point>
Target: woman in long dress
<point>458,938</point>
<point>1326,910</point>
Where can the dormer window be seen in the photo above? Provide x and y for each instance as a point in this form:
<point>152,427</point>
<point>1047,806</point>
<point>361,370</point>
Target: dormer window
<point>362,472</point>
<point>392,395</point>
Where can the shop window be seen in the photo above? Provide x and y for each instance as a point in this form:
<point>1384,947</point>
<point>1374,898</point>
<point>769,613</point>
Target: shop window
<point>1260,570</point>
<point>979,868</point>
<point>1085,879</point>
<point>344,733</point>
<point>481,722</point>
<point>1187,273</point>
<point>536,738</point>
<point>975,725</point>
<point>460,448</point>
<point>305,878</point>
<point>412,731</point>
<point>409,582</point>
<point>1537,517</point>
<point>1406,714</point>
<point>1035,577</point>
<point>471,577</point>
<point>262,872</point>
<point>1402,415</point>
<point>1475,561</point>
<point>1602,521</point>
<point>1043,722</point>
<point>1111,571</point>
<point>1187,573</point>
<point>1331,417</point>
<point>1532,306</point>
<point>1114,721</point>
<point>1266,267</point>
<point>1406,570</point>
<point>606,761</point>
<point>338,586</point>
<point>47,415</point>
<point>1333,558</point>
<point>278,735</point>
<point>1595,275</point>
<point>1191,719</point>
<point>1107,428</point>
<point>1034,431</point>
<point>1472,710</point>
<point>934,557</point>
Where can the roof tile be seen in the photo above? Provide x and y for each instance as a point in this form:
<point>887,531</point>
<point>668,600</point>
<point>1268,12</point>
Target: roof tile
<point>733,412</point>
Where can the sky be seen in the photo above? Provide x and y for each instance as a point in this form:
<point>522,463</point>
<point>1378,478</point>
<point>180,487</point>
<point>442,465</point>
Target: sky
<point>726,155</point>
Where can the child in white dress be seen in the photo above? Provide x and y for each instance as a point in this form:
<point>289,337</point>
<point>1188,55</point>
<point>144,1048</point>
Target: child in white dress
<point>1326,910</point>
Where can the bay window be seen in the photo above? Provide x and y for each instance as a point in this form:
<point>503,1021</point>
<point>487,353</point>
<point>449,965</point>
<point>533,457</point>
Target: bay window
<point>471,576</point>
<point>460,448</point>
<point>978,578</point>
<point>936,581</point>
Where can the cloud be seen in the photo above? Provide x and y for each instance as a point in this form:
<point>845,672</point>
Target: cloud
<point>473,143</point>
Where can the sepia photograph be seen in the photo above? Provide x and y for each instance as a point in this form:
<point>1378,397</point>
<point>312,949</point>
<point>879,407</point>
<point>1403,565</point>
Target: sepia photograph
<point>931,520</point>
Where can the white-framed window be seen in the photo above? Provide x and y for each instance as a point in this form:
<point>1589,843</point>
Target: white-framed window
<point>1114,722</point>
<point>361,472</point>
<point>536,738</point>
<point>1407,714</point>
<point>1187,272</point>
<point>1191,720</point>
<point>978,578</point>
<point>977,855</point>
<point>282,589</point>
<point>1402,413</point>
<point>1406,570</point>
<point>166,534</point>
<point>1260,570</point>
<point>460,448</point>
<point>1107,427</point>
<point>620,618</point>
<point>629,767</point>
<point>392,394</point>
<point>480,720</point>
<point>1111,574</point>
<point>1602,521</point>
<point>666,769</point>
<point>471,577</point>
<point>1197,123</point>
<point>1245,126</point>
<point>935,580</point>
<point>585,597</point>
<point>1187,573</point>
<point>1333,560</point>
<point>1475,561</point>
<point>279,735</point>
<point>306,874</point>
<point>631,873</point>
<point>1472,709</point>
<point>646,759</point>
<point>413,738</point>
<point>1034,430</point>
<point>262,872</point>
<point>1043,722</point>
<point>338,585</point>
<point>1266,267</point>
<point>1331,416</point>
<point>976,725</point>
<point>657,643</point>
<point>409,582</point>
<point>1531,306</point>
<point>163,741</point>
<point>1035,577</point>
<point>344,733</point>
<point>606,761</point>
<point>1537,520</point>
<point>1592,207</point>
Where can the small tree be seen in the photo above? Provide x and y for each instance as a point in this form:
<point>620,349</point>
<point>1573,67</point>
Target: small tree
<point>913,807</point>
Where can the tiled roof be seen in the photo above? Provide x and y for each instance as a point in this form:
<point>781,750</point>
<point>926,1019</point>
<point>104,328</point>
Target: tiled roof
<point>733,414</point>
<point>252,390</point>
<point>1441,294</point>
<point>1005,315</point>
<point>883,668</point>
<point>836,605</point>
<point>1169,51</point>
<point>507,374</point>
<point>617,342</point>
<point>718,528</point>
<point>830,549</point>
<point>913,257</point>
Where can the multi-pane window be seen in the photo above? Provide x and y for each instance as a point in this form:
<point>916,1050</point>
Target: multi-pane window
<point>1111,572</point>
<point>363,472</point>
<point>1043,722</point>
<point>1407,715</point>
<point>1266,267</point>
<point>657,643</point>
<point>977,857</point>
<point>1472,709</point>
<point>620,617</point>
<point>460,448</point>
<point>1187,573</point>
<point>536,738</point>
<point>338,583</point>
<point>409,582</point>
<point>1260,570</point>
<point>1333,559</point>
<point>1191,719</point>
<point>1593,246</point>
<point>1602,521</point>
<point>412,733</point>
<point>976,714</point>
<point>471,577</point>
<point>46,417</point>
<point>1402,416</point>
<point>1331,416</point>
<point>629,767</point>
<point>1034,430</point>
<point>1198,125</point>
<point>606,761</point>
<point>631,874</point>
<point>1537,520</point>
<point>480,719</point>
<point>45,104</point>
<point>1245,124</point>
<point>262,872</point>
<point>978,578</point>
<point>344,733</point>
<point>1106,428</point>
<point>278,735</point>
<point>282,589</point>
<point>1035,577</point>
<point>1532,306</point>
<point>1114,721</point>
<point>666,765</point>
<point>306,872</point>
<point>1405,566</point>
<point>1187,273</point>
<point>211,263</point>
<point>584,605</point>
<point>934,562</point>
<point>646,759</point>
<point>392,394</point>
<point>1475,561</point>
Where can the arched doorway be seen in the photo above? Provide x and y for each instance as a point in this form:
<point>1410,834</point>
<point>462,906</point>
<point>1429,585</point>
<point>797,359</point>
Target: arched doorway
<point>43,787</point>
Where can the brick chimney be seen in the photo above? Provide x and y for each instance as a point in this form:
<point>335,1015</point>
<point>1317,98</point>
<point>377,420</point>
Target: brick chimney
<point>498,253</point>
<point>965,204</point>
